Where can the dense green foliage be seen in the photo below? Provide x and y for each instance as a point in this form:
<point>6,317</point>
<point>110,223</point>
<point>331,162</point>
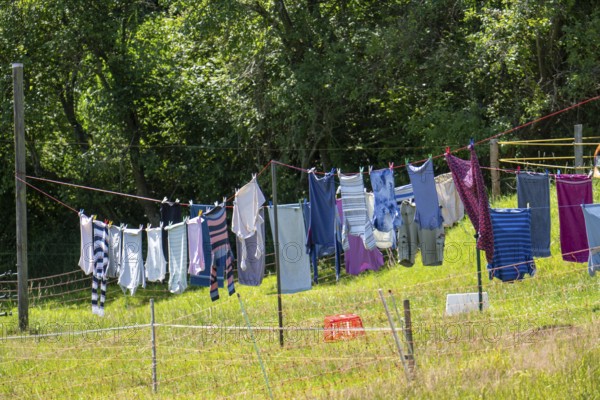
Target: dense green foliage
<point>186,98</point>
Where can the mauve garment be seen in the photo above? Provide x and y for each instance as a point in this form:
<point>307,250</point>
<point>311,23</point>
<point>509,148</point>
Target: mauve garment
<point>573,191</point>
<point>471,189</point>
<point>357,258</point>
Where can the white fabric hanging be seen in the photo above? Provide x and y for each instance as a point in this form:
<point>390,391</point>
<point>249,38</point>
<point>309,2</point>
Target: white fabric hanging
<point>246,218</point>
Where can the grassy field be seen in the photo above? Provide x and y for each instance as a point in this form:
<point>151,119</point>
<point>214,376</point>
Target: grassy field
<point>540,338</point>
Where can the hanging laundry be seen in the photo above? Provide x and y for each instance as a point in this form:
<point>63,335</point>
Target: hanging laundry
<point>428,217</point>
<point>114,251</point>
<point>428,214</point>
<point>247,218</point>
<point>221,250</point>
<point>402,193</point>
<point>591,213</point>
<point>195,246</point>
<point>573,191</point>
<point>319,251</point>
<point>156,265</point>
<point>86,258</point>
<point>132,266</point>
<point>452,207</point>
<point>408,234</point>
<point>357,258</point>
<point>471,189</point>
<point>386,216</point>
<point>513,257</point>
<point>356,220</point>
<point>294,264</point>
<point>255,266</point>
<point>202,278</point>
<point>321,236</point>
<point>170,213</point>
<point>384,240</point>
<point>99,278</point>
<point>533,192</point>
<point>178,257</point>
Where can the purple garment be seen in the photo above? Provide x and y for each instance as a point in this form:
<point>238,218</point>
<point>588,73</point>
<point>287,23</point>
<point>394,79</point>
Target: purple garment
<point>357,258</point>
<point>471,189</point>
<point>573,191</point>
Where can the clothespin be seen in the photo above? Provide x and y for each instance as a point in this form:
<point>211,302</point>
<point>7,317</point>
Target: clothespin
<point>472,142</point>
<point>518,169</point>
<point>164,200</point>
<point>110,223</point>
<point>94,217</point>
<point>339,171</point>
<point>370,169</point>
<point>546,171</point>
<point>216,203</point>
<point>270,203</point>
<point>391,165</point>
<point>447,150</point>
<point>429,156</point>
<point>224,201</point>
<point>191,203</point>
<point>311,170</point>
<point>254,176</point>
<point>360,169</point>
<point>527,204</point>
<point>105,221</point>
<point>176,200</point>
<point>199,213</point>
<point>406,161</point>
<point>81,212</point>
<point>148,226</point>
<point>558,172</point>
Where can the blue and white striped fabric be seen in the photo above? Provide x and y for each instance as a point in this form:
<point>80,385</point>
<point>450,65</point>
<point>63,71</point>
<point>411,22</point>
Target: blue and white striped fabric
<point>354,205</point>
<point>513,256</point>
<point>403,193</point>
<point>99,277</point>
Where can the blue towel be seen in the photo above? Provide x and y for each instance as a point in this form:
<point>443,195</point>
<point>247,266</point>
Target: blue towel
<point>591,213</point>
<point>512,244</point>
<point>534,189</point>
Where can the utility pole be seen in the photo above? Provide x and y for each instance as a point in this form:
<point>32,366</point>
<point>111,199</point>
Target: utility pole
<point>20,195</point>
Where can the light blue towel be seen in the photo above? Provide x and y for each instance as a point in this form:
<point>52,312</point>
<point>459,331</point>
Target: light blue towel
<point>591,213</point>
<point>294,261</point>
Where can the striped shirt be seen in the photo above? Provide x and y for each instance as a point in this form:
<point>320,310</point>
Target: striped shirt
<point>513,256</point>
<point>221,250</point>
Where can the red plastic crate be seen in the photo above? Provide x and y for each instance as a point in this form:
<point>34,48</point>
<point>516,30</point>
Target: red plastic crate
<point>342,327</point>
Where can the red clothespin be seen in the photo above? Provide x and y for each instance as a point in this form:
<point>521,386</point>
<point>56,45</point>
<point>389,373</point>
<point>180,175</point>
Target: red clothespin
<point>447,149</point>
<point>518,169</point>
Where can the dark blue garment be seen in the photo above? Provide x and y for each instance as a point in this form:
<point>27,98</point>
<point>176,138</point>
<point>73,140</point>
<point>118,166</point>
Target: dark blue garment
<point>512,244</point>
<point>533,191</point>
<point>321,221</point>
<point>203,279</point>
<point>321,225</point>
<point>386,215</point>
<point>319,251</point>
<point>428,215</point>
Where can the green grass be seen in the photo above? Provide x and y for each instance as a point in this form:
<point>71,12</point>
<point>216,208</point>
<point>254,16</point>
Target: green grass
<point>538,339</point>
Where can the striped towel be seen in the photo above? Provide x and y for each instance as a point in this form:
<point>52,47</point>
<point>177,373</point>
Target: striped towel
<point>354,206</point>
<point>403,193</point>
